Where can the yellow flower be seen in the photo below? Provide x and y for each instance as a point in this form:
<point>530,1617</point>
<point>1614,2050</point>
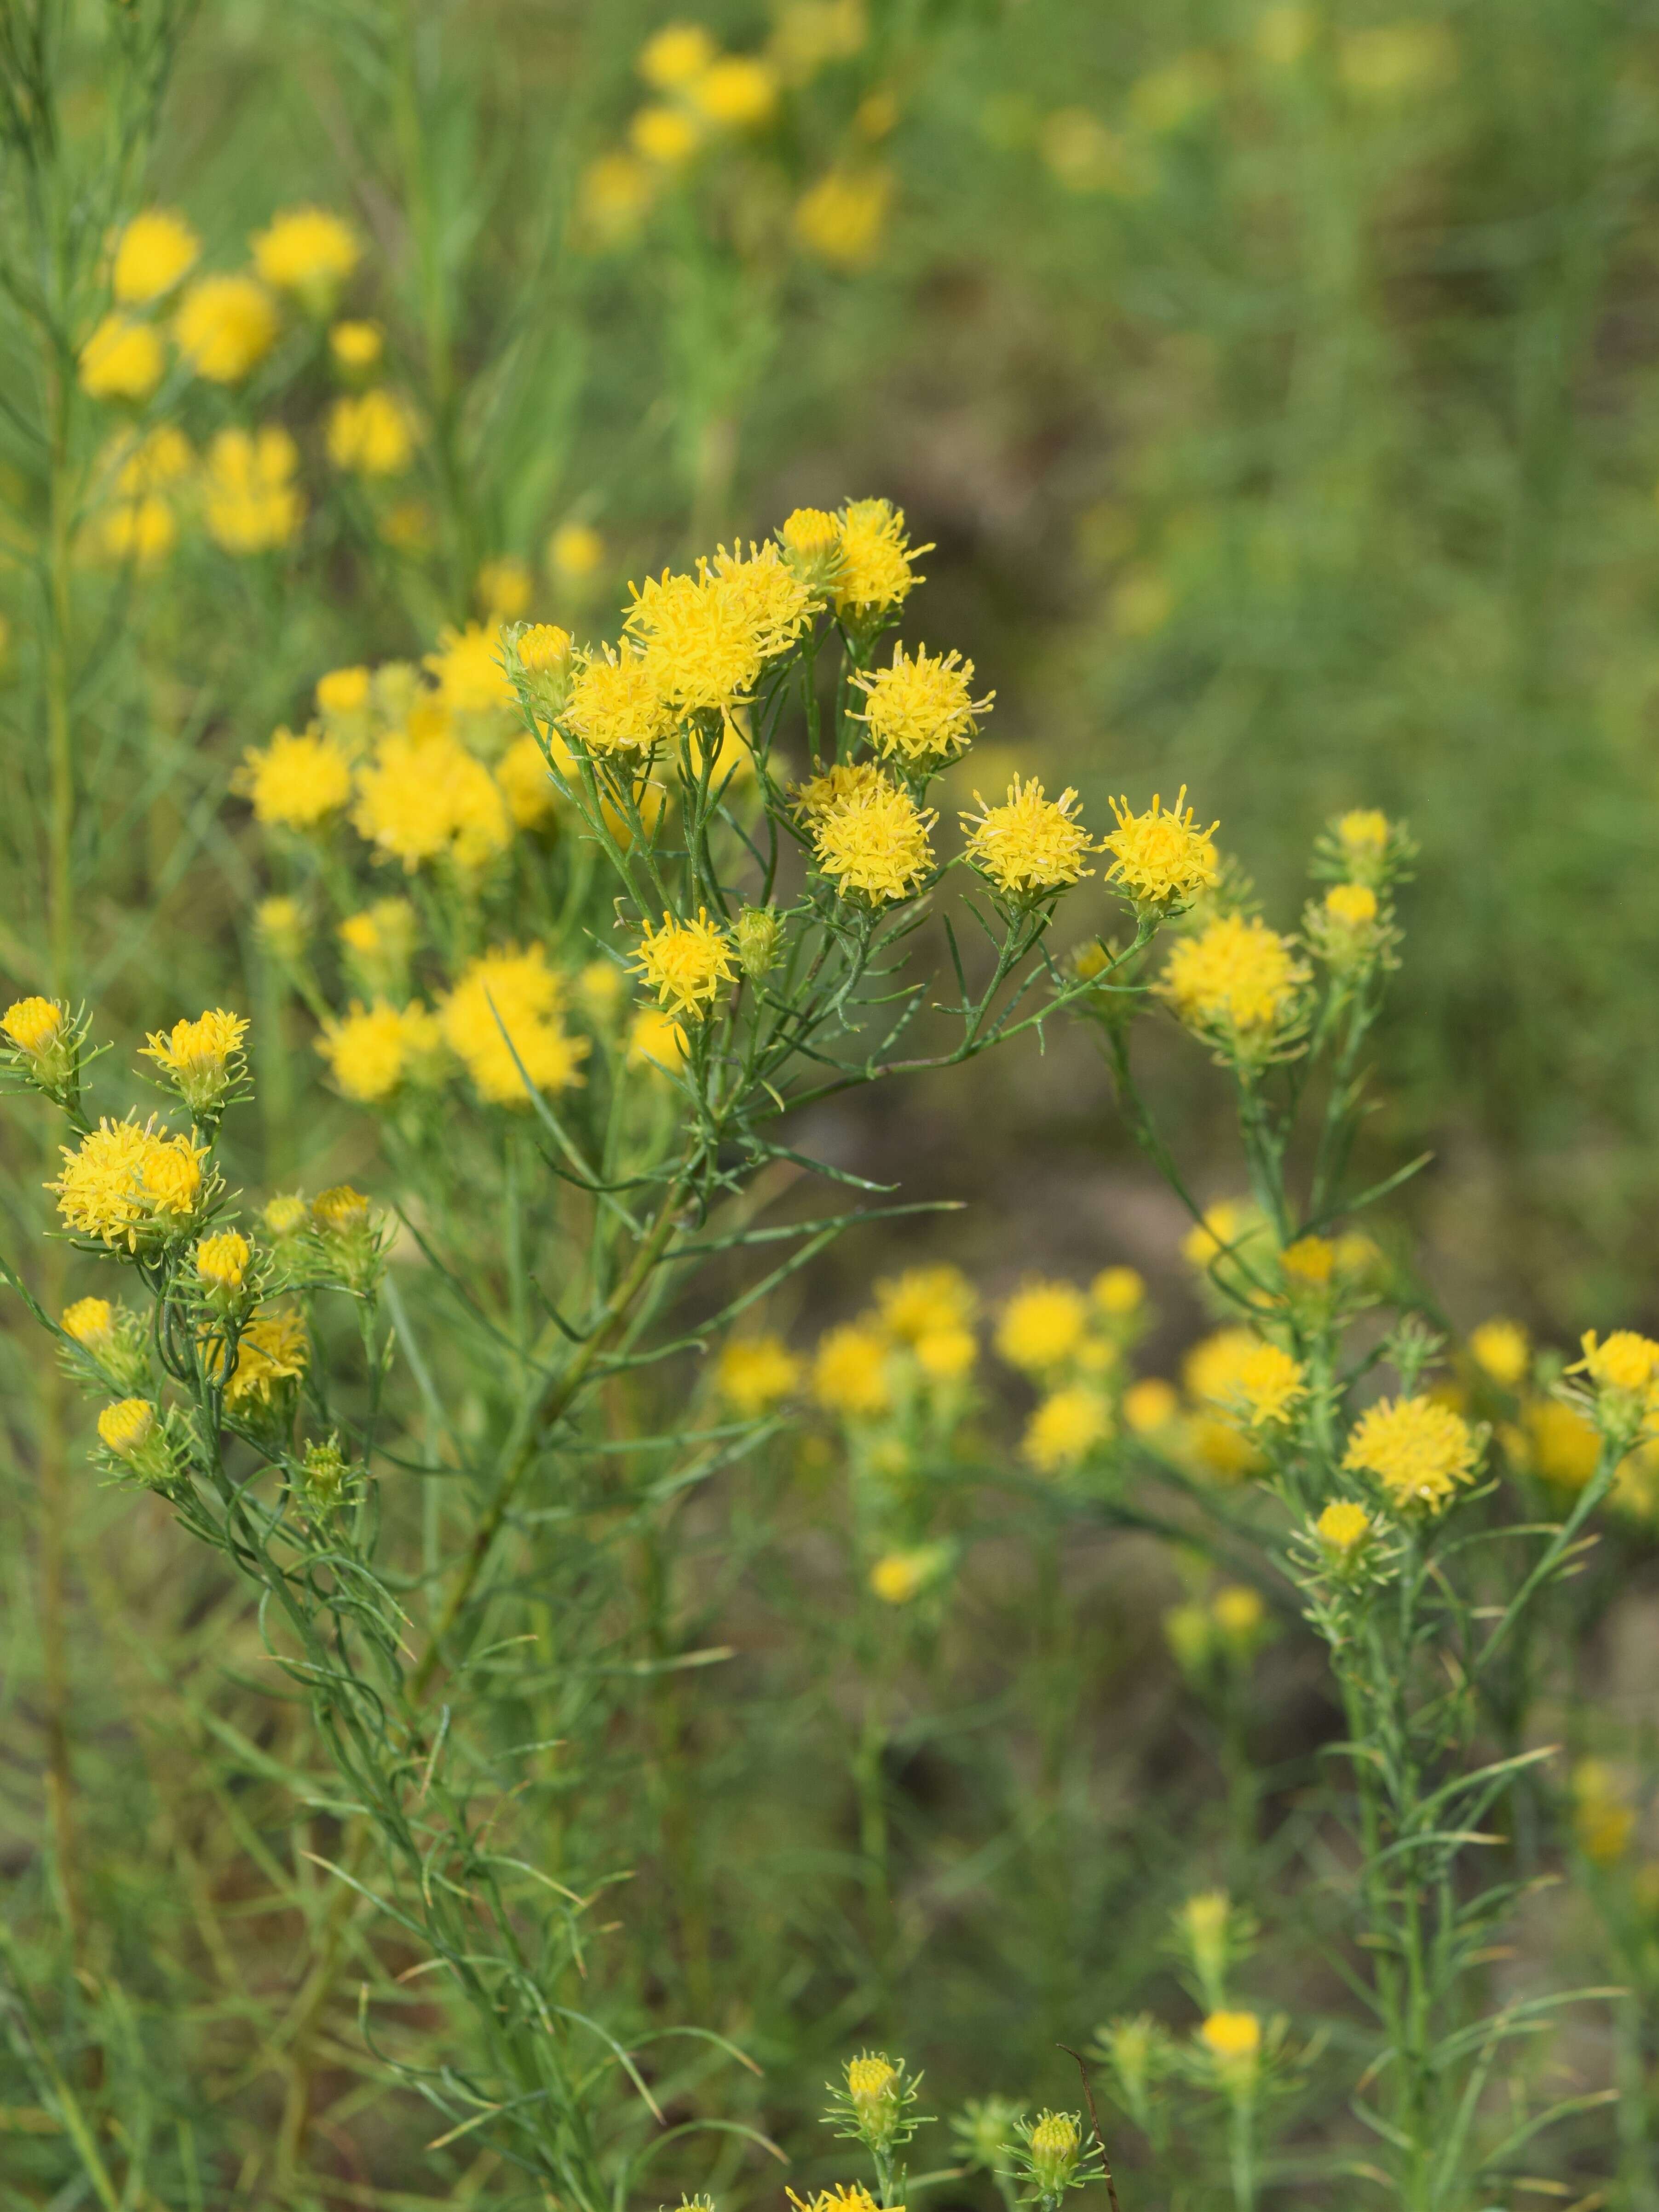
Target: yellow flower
<point>296,783</point>
<point>924,1301</point>
<point>870,2076</point>
<point>1238,1612</point>
<point>35,1025</point>
<point>614,198</point>
<point>522,774</point>
<point>543,649</point>
<point>122,360</point>
<point>371,433</point>
<point>142,530</point>
<point>674,56</point>
<point>1419,1450</point>
<point>158,461</point>
<point>574,551</point>
<point>127,1426</point>
<point>1161,860</point>
<point>1363,836</point>
<point>668,137</point>
<point>614,704</point>
<point>849,1371</point>
<point>1233,2038</point>
<point>123,1179</point>
<point>811,539</point>
<point>875,842</point>
<point>845,2196</point>
<point>342,693</point>
<point>754,1373</point>
<point>1223,1229</point>
<point>225,326</point>
<point>468,668</point>
<point>251,500</point>
<point>91,1323</point>
<point>686,964</point>
<point>1270,1385</point>
<point>1353,905</point>
<point>369,1050</point>
<point>515,991</point>
<point>285,1215</point>
<point>1064,1429</point>
<point>199,1054</point>
<point>154,250</point>
<point>1118,1291</point>
<point>772,599</point>
<point>308,252</point>
<point>946,1355</point>
<point>842,217</point>
<point>356,345</point>
<point>504,588</point>
<point>1624,1361</point>
<point>841,782</point>
<point>1236,979</point>
<point>1500,1349</point>
<point>273,1349</point>
<point>876,567</point>
<point>222,1260</point>
<point>424,801</point>
<point>1042,1325</point>
<point>896,1578</point>
<point>1343,1527</point>
<point>1149,1405</point>
<point>1311,1261</point>
<point>380,938</point>
<point>1031,846</point>
<point>739,91</point>
<point>1562,1447</point>
<point>656,1040</point>
<point>340,1210</point>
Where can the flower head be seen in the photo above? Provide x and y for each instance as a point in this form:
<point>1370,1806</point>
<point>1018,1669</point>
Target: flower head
<point>1064,1429</point>
<point>1500,1350</point>
<point>155,249</point>
<point>340,1210</point>
<point>272,1350</point>
<point>1042,1325</point>
<point>122,360</point>
<point>371,433</point>
<point>1149,1405</point>
<point>508,994</point>
<point>656,1040</point>
<point>124,1181</point>
<point>1162,859</point>
<point>849,1372</point>
<point>468,668</point>
<point>842,782</point>
<point>1623,1361</point>
<point>919,711</point>
<point>1238,1612</point>
<point>810,538</point>
<point>665,137</point>
<point>35,1025</point>
<point>1343,1527</point>
<point>876,571</point>
<point>924,1301</point>
<point>91,1323</point>
<point>1417,1449</point>
<point>875,842</point>
<point>127,1426</point>
<point>1233,2040</point>
<point>356,345</point>
<point>222,1260</point>
<point>369,1050</point>
<point>897,1578</point>
<point>225,326</point>
<point>296,783</point>
<point>1031,848</point>
<point>201,1057</point>
<point>840,219</point>
<point>531,795</point>
<point>738,91</point>
<point>420,801</point>
<point>755,1373</point>
<point>1118,1292</point>
<point>675,55</point>
<point>251,500</point>
<point>308,252</point>
<point>686,964</point>
<point>1269,1385</point>
<point>614,705</point>
<point>1235,981</point>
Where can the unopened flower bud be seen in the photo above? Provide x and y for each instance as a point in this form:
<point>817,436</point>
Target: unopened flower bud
<point>758,930</point>
<point>540,656</point>
<point>1054,2144</point>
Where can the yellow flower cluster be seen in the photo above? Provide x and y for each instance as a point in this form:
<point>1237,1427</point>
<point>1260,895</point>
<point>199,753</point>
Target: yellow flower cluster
<point>428,798</point>
<point>126,1182</point>
<point>251,501</point>
<point>703,640</point>
<point>295,782</point>
<point>501,1021</point>
<point>371,433</point>
<point>753,1374</point>
<point>1236,981</point>
<point>372,1050</point>
<point>874,842</point>
<point>1419,1450</point>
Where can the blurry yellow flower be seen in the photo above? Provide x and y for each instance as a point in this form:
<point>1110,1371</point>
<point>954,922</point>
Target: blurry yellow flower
<point>122,360</point>
<point>508,993</point>
<point>285,1215</point>
<point>896,1578</point>
<point>371,433</point>
<point>575,552</point>
<point>522,774</point>
<point>1561,1444</point>
<point>281,922</point>
<point>1500,1349</point>
<point>308,252</point>
<point>1352,905</point>
<point>356,345</point>
<point>1042,1325</point>
<point>142,530</point>
<point>1418,1450</point>
<point>686,964</point>
<point>1311,1261</point>
<point>755,1373</point>
<point>1161,860</point>
<point>1602,1822</point>
<point>849,1370</point>
<point>810,33</point>
<point>468,670</point>
<point>252,502</point>
<point>1064,1429</point>
<point>369,1050</point>
<point>91,1323</point>
<point>946,1355</point>
<point>1388,60</point>
<point>342,692</point>
<point>1149,1405</point>
<point>924,1301</point>
<point>296,783</point>
<point>1238,1612</point>
<point>1270,1385</point>
<point>1190,1634</point>
<point>1624,1361</point>
<point>1118,1291</point>
<point>1225,1225</point>
<point>1363,833</point>
<point>1213,1367</point>
<point>668,137</point>
<point>874,843</point>
<point>425,801</point>
<point>155,251</point>
<point>1343,1527</point>
<point>1082,155</point>
<point>673,56</point>
<point>504,588</point>
<point>614,198</point>
<point>225,326</point>
<point>1232,2038</point>
<point>1237,980</point>
<point>843,217</point>
<point>1029,847</point>
<point>739,91</point>
<point>158,461</point>
<point>340,1210</point>
<point>656,1040</point>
